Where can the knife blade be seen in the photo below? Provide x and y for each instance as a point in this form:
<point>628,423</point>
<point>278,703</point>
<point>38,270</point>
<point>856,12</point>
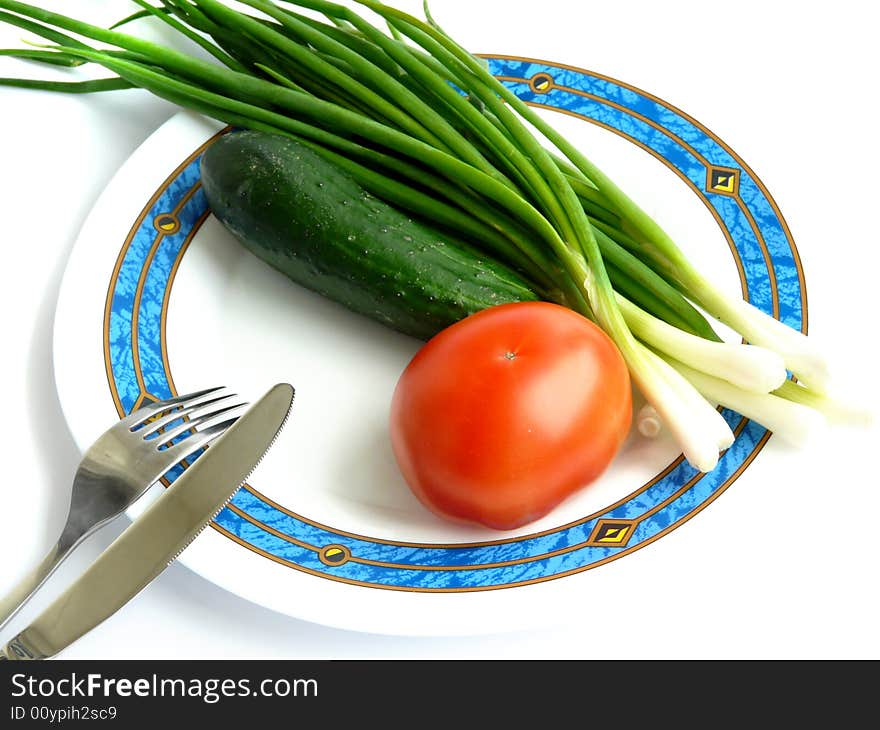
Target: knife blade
<point>155,539</point>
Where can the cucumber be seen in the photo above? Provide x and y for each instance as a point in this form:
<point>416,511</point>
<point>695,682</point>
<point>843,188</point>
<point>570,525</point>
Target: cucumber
<point>309,219</point>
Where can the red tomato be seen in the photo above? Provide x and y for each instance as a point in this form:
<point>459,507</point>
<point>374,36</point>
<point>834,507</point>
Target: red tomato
<point>501,416</point>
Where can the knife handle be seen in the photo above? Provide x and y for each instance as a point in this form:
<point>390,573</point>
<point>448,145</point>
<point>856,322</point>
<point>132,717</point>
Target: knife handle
<point>21,593</point>
<point>20,650</point>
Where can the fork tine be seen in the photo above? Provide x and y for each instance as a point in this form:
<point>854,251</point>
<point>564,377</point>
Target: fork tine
<point>199,420</point>
<point>200,439</point>
<point>160,423</point>
<point>149,410</point>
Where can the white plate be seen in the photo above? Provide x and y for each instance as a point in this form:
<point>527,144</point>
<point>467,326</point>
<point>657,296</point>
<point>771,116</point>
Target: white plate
<point>159,298</point>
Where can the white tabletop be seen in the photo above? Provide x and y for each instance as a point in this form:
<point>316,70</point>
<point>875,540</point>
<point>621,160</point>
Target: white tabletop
<point>784,564</point>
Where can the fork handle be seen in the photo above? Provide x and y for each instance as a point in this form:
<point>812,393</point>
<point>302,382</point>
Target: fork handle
<point>20,594</point>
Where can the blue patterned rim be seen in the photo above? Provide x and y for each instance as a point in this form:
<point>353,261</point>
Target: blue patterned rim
<point>137,362</point>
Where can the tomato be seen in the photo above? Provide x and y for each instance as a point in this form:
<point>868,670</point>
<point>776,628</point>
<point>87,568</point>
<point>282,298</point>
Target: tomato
<point>504,414</point>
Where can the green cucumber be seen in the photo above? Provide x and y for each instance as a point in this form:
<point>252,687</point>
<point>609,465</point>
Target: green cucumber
<point>310,220</point>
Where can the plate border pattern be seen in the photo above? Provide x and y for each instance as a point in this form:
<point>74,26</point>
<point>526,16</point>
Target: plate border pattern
<point>137,363</point>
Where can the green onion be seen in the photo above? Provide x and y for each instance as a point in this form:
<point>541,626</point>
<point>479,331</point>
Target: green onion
<point>835,409</point>
<point>418,120</point>
<point>70,87</point>
<point>749,367</point>
<point>795,423</point>
<point>694,415</point>
<point>51,57</point>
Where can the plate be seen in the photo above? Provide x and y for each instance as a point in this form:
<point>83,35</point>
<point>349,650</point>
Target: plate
<point>159,299</point>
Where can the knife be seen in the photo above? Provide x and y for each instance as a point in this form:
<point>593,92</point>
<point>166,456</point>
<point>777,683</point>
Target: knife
<point>160,534</point>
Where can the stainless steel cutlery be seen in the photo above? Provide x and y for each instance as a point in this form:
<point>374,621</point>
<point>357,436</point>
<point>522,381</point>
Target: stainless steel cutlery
<point>116,470</point>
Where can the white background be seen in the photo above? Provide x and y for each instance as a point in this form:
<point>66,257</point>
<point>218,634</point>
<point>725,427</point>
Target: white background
<point>784,564</point>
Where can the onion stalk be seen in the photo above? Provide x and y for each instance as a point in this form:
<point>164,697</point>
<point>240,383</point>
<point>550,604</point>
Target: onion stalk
<point>418,120</point>
<point>795,423</point>
<point>749,367</point>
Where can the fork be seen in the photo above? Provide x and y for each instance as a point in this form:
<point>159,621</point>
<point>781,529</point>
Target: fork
<point>122,465</point>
